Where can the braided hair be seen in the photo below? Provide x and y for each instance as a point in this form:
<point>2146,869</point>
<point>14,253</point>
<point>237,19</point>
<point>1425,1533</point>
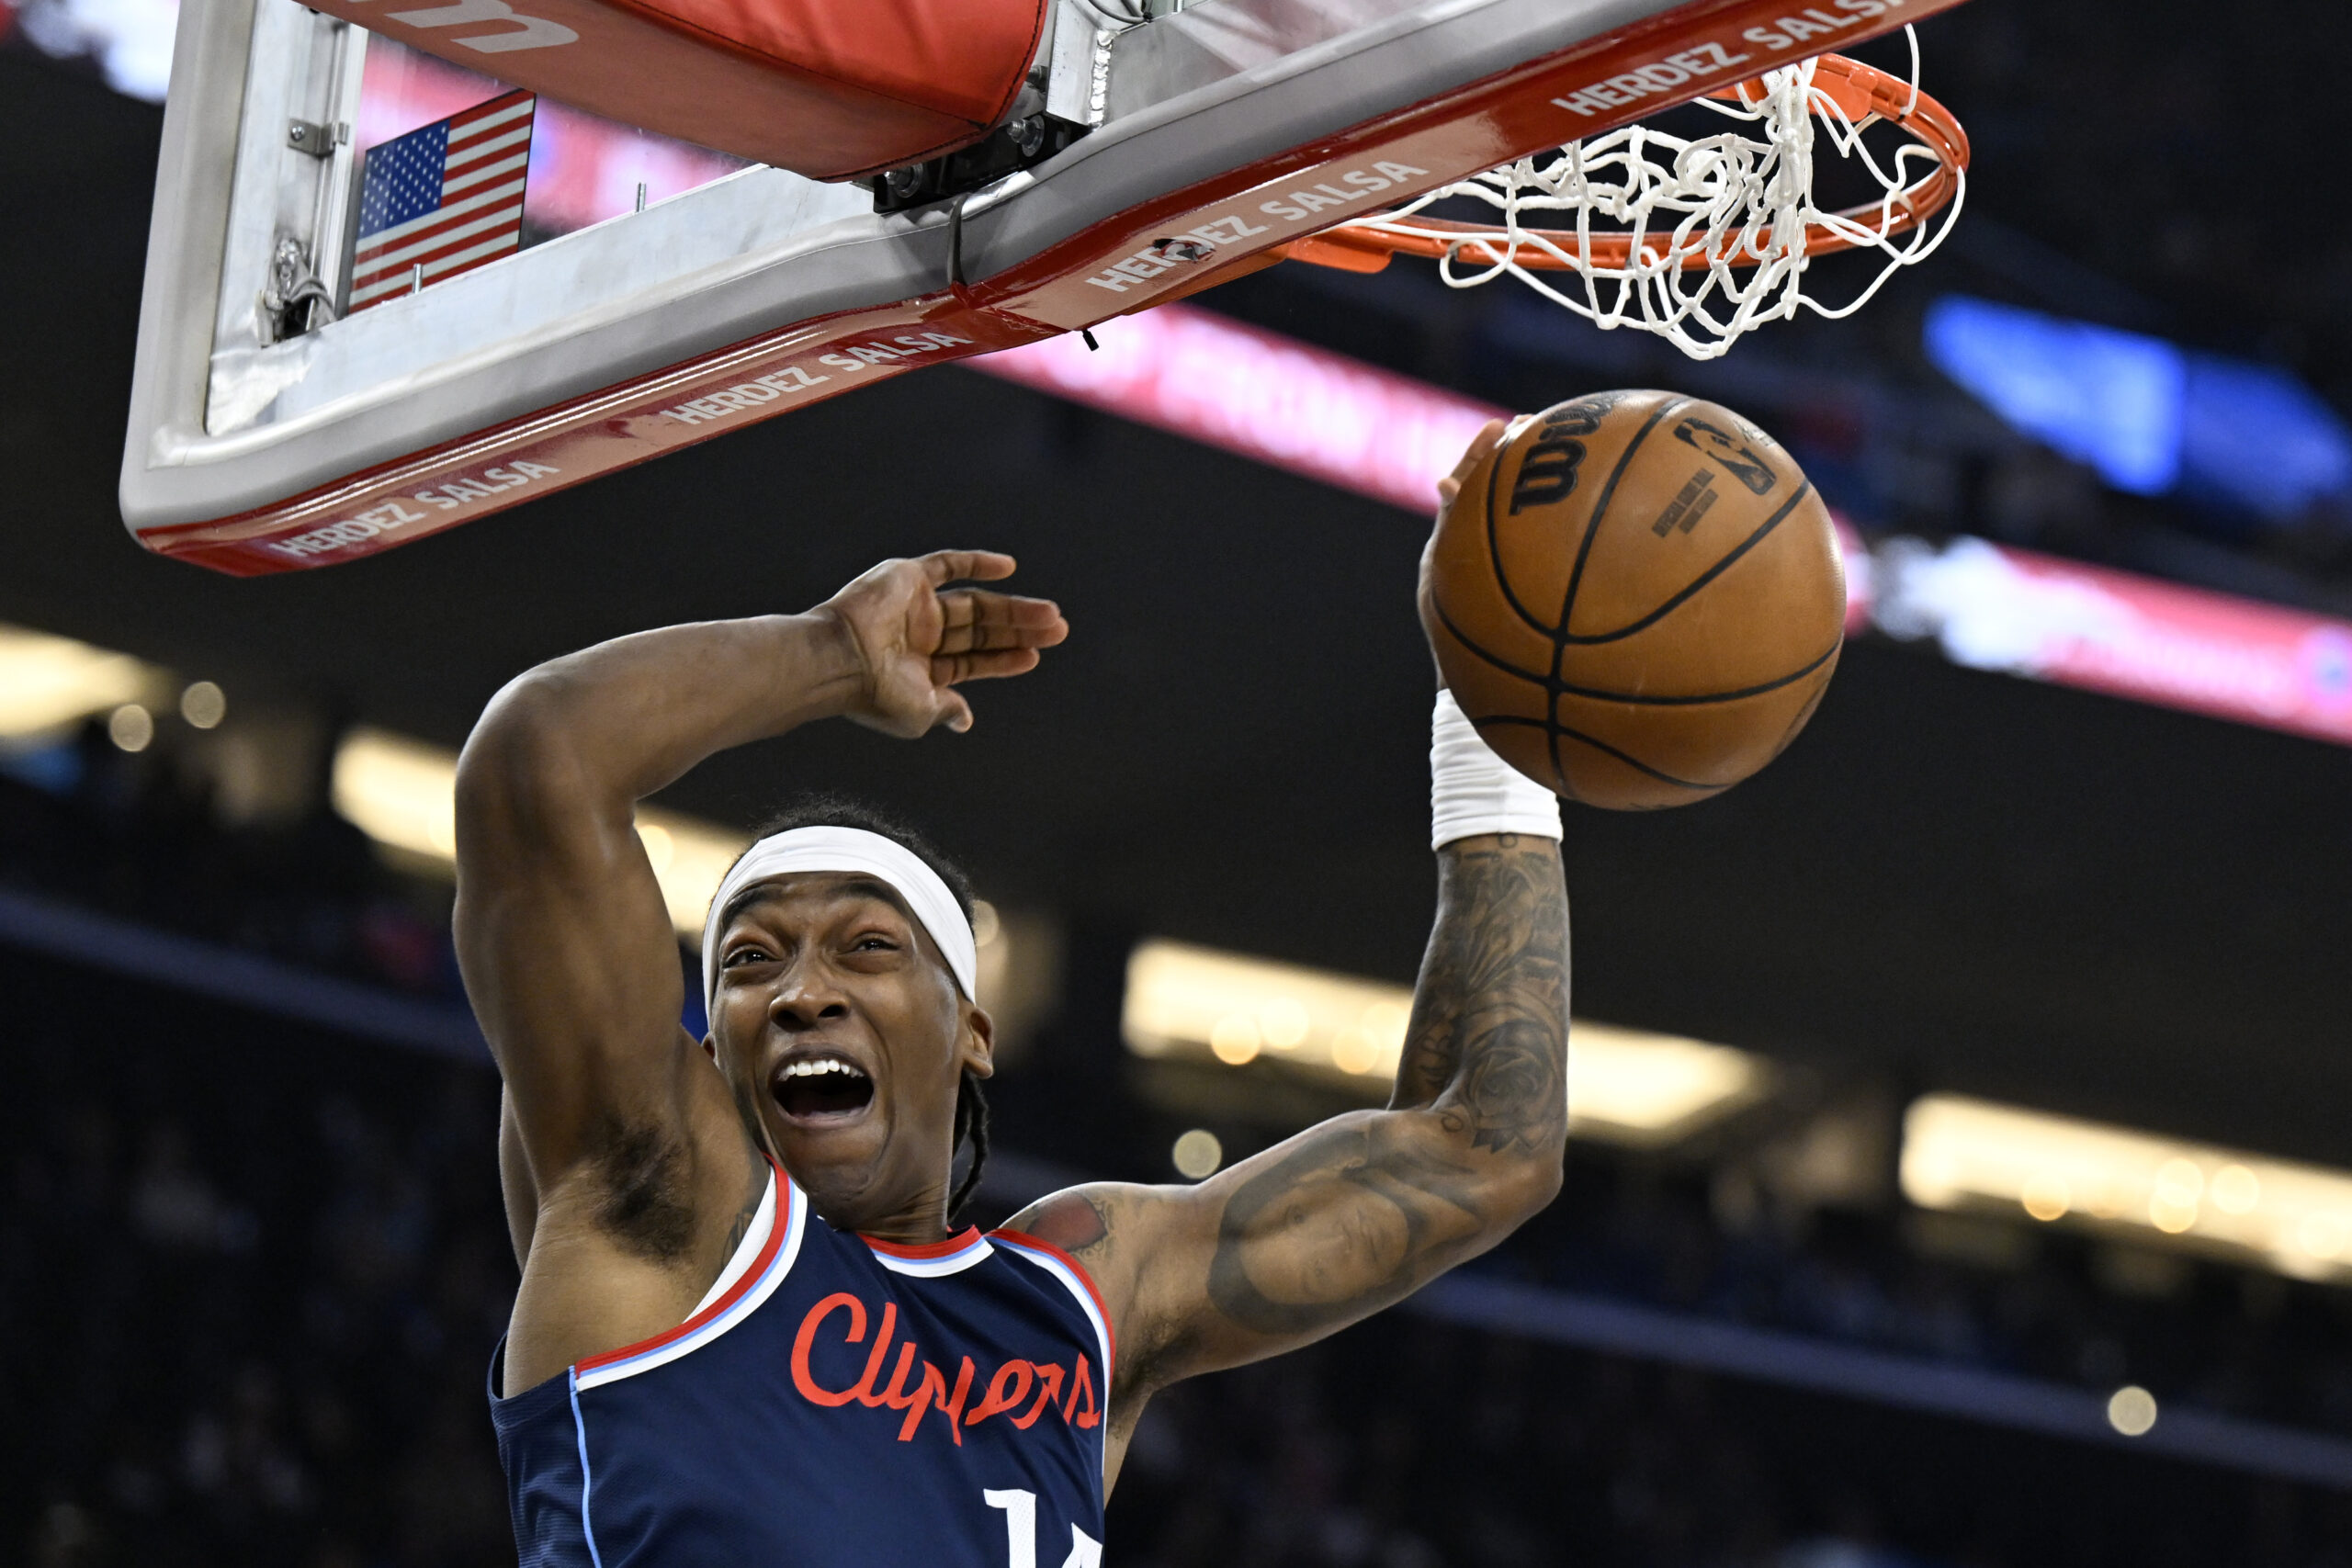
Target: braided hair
<point>815,810</point>
<point>972,1123</point>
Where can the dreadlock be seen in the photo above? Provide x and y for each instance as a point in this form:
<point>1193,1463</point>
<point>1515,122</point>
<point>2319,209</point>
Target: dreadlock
<point>971,1122</point>
<point>838,811</point>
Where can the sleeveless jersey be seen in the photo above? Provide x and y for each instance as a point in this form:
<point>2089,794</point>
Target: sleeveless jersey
<point>838,1401</point>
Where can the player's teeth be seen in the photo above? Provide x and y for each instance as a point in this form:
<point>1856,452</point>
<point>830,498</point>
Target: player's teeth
<point>811,1069</point>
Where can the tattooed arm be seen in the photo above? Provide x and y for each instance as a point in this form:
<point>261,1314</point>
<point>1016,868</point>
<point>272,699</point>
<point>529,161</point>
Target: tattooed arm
<point>1360,1212</point>
<point>1356,1214</point>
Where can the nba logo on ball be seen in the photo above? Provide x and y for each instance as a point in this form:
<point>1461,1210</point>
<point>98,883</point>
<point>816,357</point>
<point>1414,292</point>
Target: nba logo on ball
<point>1637,598</point>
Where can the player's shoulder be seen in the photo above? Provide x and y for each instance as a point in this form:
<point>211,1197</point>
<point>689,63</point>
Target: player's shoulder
<point>1077,1220</point>
<point>1099,1222</point>
<point>1144,1249</point>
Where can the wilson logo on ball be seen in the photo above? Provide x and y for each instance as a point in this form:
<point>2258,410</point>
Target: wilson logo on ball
<point>1549,472</point>
<point>1548,475</point>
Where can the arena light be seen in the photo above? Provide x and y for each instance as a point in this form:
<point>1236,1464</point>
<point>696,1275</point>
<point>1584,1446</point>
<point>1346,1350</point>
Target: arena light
<point>1960,1153</point>
<point>1994,607</point>
<point>1195,1003</point>
<point>402,794</point>
<point>1631,1085</point>
<point>129,41</point>
<point>47,682</point>
<point>2152,417</point>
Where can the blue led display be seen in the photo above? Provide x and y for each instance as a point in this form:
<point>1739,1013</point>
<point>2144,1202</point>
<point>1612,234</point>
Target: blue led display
<point>2149,416</point>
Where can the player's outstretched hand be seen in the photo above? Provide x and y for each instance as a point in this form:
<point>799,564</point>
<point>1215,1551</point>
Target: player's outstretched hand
<point>1489,436</point>
<point>917,638</point>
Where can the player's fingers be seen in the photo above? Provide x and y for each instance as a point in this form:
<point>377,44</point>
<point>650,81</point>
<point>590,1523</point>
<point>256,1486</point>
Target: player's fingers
<point>983,607</point>
<point>955,566</point>
<point>973,618</point>
<point>1489,435</point>
<point>991,664</point>
<point>956,713</point>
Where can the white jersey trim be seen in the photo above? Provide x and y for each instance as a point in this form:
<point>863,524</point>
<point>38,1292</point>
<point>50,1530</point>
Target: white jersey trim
<point>747,1252</point>
<point>723,1313</point>
<point>932,1267</point>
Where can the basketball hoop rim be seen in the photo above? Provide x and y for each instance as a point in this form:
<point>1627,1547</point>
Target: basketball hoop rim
<point>1862,93</point>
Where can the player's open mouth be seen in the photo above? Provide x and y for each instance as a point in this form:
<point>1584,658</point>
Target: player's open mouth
<point>820,1087</point>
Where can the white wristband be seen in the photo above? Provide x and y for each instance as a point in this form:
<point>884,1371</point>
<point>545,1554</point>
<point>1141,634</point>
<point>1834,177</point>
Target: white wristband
<point>1472,791</point>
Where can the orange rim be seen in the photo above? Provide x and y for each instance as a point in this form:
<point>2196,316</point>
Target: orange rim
<point>1858,90</point>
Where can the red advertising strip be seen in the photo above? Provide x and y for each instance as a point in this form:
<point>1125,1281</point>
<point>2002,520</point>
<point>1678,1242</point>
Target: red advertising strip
<point>1264,396</point>
<point>1996,608</point>
<point>1859,581</point>
<point>1391,438</point>
<point>1290,406</point>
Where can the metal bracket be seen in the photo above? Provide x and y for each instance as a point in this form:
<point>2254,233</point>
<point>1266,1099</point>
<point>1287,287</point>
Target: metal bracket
<point>1078,83</point>
<point>1018,146</point>
<point>318,140</point>
<point>296,301</point>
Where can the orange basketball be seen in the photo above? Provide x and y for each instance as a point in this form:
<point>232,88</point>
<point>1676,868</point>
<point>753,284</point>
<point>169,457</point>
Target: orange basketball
<point>1637,599</point>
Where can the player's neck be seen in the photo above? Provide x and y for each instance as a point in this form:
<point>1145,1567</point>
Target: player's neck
<point>921,1220</point>
<point>911,1233</point>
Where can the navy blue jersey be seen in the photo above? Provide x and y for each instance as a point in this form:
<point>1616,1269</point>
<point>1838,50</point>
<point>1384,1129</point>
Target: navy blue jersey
<point>839,1401</point>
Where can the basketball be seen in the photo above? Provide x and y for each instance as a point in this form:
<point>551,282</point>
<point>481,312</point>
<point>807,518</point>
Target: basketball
<point>1637,598</point>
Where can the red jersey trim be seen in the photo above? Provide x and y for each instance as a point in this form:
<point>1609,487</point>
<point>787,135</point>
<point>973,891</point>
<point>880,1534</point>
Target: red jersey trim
<point>751,1276</point>
<point>1110,1328</point>
<point>929,1249</point>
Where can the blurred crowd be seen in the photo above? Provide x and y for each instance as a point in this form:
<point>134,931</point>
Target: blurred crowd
<point>143,836</point>
<point>1995,1294</point>
<point>252,1273</point>
<point>252,1276</point>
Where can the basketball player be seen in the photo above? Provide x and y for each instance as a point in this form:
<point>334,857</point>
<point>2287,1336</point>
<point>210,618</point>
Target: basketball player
<point>747,1331</point>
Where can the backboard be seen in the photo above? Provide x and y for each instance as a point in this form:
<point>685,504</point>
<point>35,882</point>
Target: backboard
<point>265,438</point>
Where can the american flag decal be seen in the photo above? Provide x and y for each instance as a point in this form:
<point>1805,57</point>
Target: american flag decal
<point>443,199</point>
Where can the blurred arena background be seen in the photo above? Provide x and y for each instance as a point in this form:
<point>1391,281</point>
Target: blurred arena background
<point>1962,1173</point>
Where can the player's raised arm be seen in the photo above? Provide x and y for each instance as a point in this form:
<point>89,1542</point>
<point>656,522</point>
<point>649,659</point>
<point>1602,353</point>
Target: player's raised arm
<point>638,1159</point>
<point>1355,1213</point>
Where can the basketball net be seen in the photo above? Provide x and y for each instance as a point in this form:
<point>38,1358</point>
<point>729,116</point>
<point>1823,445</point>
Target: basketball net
<point>1704,239</point>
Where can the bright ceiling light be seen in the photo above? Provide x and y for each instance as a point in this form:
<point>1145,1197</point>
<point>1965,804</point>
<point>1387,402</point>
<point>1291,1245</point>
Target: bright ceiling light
<point>1961,1153</point>
<point>1185,1001</point>
<point>401,793</point>
<point>1633,1087</point>
<point>404,793</point>
<point>1195,1003</point>
<point>700,853</point>
<point>47,682</point>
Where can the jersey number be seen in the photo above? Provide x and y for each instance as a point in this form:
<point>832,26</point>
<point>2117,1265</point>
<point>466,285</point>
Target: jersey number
<point>1021,1532</point>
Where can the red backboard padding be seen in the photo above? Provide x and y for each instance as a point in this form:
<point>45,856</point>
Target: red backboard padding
<point>826,88</point>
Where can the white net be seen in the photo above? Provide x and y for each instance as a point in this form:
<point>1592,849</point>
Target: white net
<point>1698,240</point>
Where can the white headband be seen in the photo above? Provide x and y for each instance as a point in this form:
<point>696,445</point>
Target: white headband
<point>849,849</point>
